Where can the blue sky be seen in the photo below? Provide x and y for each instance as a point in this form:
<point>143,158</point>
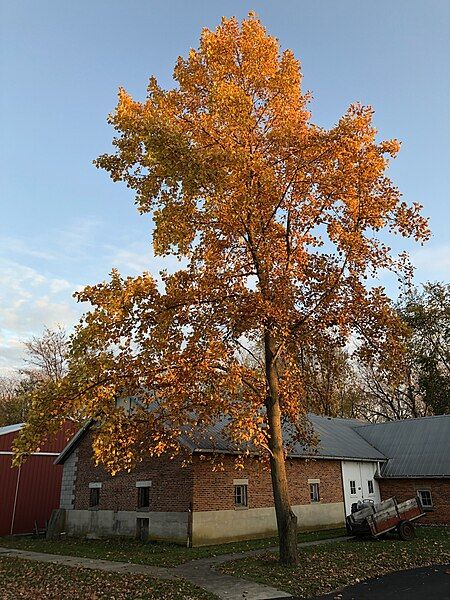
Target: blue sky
<point>64,223</point>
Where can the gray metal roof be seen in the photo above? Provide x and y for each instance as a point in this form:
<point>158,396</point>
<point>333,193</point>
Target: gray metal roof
<point>414,447</point>
<point>11,428</point>
<point>337,438</point>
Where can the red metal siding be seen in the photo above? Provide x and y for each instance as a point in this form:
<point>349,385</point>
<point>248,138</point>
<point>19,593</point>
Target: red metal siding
<point>39,485</point>
<point>8,479</point>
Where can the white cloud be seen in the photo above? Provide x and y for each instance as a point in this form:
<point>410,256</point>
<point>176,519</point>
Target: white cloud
<point>39,274</point>
<point>59,285</point>
<point>11,353</point>
<point>432,263</point>
<point>29,302</point>
<point>137,258</point>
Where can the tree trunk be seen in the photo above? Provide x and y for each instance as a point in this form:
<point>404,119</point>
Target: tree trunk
<point>286,519</point>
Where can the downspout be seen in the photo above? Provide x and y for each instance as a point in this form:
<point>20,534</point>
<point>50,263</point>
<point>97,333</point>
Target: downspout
<point>15,501</point>
<point>189,526</point>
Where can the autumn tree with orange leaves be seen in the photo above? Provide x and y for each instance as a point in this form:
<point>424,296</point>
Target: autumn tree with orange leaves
<point>278,222</point>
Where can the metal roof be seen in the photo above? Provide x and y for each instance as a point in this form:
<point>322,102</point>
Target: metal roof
<point>414,447</point>
<point>337,438</point>
<point>11,428</point>
<point>73,443</point>
<point>408,448</point>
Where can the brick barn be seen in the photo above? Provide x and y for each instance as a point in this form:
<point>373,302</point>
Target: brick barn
<point>418,452</point>
<point>163,500</point>
<point>28,493</point>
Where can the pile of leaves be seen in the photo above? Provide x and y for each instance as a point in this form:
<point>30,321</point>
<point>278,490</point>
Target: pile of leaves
<point>24,579</point>
<point>323,569</point>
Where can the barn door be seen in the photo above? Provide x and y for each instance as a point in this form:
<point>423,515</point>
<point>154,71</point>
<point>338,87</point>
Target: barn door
<point>359,483</point>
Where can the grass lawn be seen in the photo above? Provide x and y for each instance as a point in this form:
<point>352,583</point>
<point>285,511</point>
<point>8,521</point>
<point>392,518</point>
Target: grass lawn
<point>149,553</point>
<point>325,568</point>
<point>27,580</point>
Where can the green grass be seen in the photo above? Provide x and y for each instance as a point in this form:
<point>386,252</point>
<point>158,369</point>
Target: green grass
<point>323,569</point>
<point>150,553</point>
<point>30,580</point>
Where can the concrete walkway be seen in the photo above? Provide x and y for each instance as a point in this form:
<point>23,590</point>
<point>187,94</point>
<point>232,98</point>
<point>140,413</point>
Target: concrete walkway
<point>200,572</point>
<point>90,563</point>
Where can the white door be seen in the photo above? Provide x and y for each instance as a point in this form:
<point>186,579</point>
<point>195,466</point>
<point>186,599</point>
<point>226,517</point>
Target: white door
<point>358,479</point>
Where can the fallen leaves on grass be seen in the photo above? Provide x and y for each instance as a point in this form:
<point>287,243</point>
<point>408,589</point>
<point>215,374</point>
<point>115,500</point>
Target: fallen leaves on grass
<point>147,553</point>
<point>323,569</point>
<point>25,580</point>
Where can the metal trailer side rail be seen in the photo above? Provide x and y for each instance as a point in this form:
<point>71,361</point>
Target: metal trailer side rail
<point>393,518</point>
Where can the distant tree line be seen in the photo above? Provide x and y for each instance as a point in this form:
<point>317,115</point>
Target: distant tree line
<point>400,385</point>
<point>45,359</point>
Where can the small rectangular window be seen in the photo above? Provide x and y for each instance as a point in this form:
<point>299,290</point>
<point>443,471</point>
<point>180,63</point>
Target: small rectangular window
<point>352,487</point>
<point>94,497</point>
<point>425,498</point>
<point>143,497</point>
<point>240,495</point>
<point>314,493</point>
<point>370,486</point>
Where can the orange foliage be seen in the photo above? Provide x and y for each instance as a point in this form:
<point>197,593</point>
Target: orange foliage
<point>279,222</point>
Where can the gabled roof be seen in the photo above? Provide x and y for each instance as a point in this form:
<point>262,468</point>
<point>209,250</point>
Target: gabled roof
<point>408,448</point>
<point>337,439</point>
<point>73,443</point>
<point>11,428</point>
<point>414,447</point>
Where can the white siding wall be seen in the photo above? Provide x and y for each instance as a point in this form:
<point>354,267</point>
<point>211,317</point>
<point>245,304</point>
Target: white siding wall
<point>361,473</point>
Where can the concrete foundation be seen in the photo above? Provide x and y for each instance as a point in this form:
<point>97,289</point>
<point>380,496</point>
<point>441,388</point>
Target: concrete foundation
<point>208,527</point>
<point>169,526</point>
<point>216,526</point>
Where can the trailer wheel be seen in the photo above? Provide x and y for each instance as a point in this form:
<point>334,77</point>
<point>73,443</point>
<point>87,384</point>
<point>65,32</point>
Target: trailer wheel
<point>406,530</point>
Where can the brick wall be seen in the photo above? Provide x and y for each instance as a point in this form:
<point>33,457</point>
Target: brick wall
<point>215,490</point>
<point>174,487</point>
<point>403,489</point>
<point>171,489</point>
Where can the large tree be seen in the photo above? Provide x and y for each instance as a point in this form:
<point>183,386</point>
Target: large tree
<point>276,220</point>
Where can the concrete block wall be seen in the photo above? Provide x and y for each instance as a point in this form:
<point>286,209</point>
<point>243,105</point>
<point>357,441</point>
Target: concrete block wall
<point>67,497</point>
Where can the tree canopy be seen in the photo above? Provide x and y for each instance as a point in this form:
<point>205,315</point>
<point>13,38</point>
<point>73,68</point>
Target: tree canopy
<point>279,221</point>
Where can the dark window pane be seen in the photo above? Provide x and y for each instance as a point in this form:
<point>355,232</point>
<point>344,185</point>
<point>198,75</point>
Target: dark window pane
<point>143,497</point>
<point>94,497</point>
<point>425,497</point>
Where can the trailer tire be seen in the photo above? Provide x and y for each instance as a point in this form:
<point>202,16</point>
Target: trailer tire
<point>406,530</point>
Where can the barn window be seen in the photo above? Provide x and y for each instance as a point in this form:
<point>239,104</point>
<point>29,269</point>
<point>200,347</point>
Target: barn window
<point>240,495</point>
<point>425,498</point>
<point>314,494</point>
<point>94,494</point>
<point>370,486</point>
<point>352,487</point>
<point>143,488</point>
